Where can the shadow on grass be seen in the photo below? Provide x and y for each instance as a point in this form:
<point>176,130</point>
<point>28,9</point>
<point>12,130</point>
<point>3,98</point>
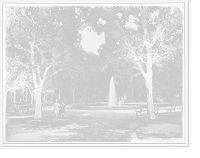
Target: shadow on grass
<point>17,113</point>
<point>169,118</point>
<point>138,137</point>
<point>48,121</point>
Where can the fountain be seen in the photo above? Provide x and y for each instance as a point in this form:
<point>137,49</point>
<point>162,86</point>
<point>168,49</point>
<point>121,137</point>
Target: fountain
<point>112,94</point>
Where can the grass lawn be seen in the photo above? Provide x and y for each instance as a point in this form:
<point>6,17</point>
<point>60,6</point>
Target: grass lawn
<point>95,126</point>
<point>165,128</point>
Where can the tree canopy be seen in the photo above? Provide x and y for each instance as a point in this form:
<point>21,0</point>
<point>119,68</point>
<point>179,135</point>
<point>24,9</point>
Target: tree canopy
<point>132,32</point>
<point>37,41</point>
<point>138,45</point>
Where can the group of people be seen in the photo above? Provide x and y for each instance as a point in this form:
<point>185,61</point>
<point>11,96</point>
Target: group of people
<point>59,108</point>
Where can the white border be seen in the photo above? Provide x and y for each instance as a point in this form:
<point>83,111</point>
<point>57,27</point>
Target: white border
<point>94,1</point>
<point>186,144</point>
<point>186,74</point>
<point>1,80</point>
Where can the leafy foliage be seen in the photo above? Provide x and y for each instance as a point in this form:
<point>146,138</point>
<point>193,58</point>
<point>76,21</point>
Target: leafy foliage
<point>36,38</point>
<point>168,79</point>
<point>45,42</point>
<point>143,48</point>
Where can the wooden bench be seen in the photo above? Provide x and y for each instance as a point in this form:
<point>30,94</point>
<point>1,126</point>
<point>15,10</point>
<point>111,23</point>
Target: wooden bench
<point>15,106</point>
<point>165,106</point>
<point>26,109</point>
<point>142,107</point>
<point>176,106</point>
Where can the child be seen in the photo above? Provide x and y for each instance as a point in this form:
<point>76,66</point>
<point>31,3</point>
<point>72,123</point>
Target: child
<point>62,108</point>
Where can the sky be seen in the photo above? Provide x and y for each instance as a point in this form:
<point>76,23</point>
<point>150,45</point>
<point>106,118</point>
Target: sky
<point>91,41</point>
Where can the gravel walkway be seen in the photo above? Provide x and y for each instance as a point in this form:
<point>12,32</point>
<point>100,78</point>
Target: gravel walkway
<point>86,126</point>
<point>77,125</point>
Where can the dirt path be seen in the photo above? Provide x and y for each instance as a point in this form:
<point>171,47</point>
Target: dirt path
<point>78,125</point>
<point>89,126</point>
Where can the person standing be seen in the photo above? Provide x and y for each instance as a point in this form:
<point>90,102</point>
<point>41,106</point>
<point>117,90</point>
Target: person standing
<point>56,108</point>
<point>62,108</point>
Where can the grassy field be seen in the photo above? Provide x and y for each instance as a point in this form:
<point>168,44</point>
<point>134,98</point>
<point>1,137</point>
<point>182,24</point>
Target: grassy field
<point>93,122</point>
<point>165,128</point>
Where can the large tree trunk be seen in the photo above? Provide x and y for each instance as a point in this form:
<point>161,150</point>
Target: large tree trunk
<point>149,88</point>
<point>32,97</point>
<point>38,81</point>
<point>14,96</point>
<point>38,102</point>
<point>151,112</point>
<point>59,95</point>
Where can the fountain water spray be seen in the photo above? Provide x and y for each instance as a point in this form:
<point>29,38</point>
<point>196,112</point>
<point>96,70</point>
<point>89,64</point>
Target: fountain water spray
<point>112,94</point>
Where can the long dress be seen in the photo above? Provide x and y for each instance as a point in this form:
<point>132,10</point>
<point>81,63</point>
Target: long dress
<point>56,109</point>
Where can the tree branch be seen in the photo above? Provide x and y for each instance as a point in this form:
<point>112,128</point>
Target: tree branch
<point>143,12</point>
<point>33,64</point>
<point>139,62</point>
<point>143,20</point>
<point>22,48</point>
<point>45,72</point>
<point>158,31</point>
<point>38,71</point>
<point>55,72</point>
<point>135,58</point>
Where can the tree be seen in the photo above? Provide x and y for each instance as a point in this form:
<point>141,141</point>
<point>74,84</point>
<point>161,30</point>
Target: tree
<point>12,76</point>
<point>96,83</point>
<point>82,92</point>
<point>71,80</point>
<point>17,78</point>
<point>51,84</point>
<point>168,79</point>
<point>128,78</point>
<point>145,37</point>
<point>34,38</point>
<point>94,64</point>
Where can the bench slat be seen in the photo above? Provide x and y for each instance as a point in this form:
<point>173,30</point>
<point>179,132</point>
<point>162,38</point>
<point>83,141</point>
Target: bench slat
<point>171,107</point>
<point>140,110</point>
<point>25,107</point>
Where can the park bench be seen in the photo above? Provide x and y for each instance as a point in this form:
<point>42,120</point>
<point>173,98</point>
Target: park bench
<point>165,106</point>
<point>140,109</point>
<point>26,109</point>
<point>176,106</point>
<point>158,106</point>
